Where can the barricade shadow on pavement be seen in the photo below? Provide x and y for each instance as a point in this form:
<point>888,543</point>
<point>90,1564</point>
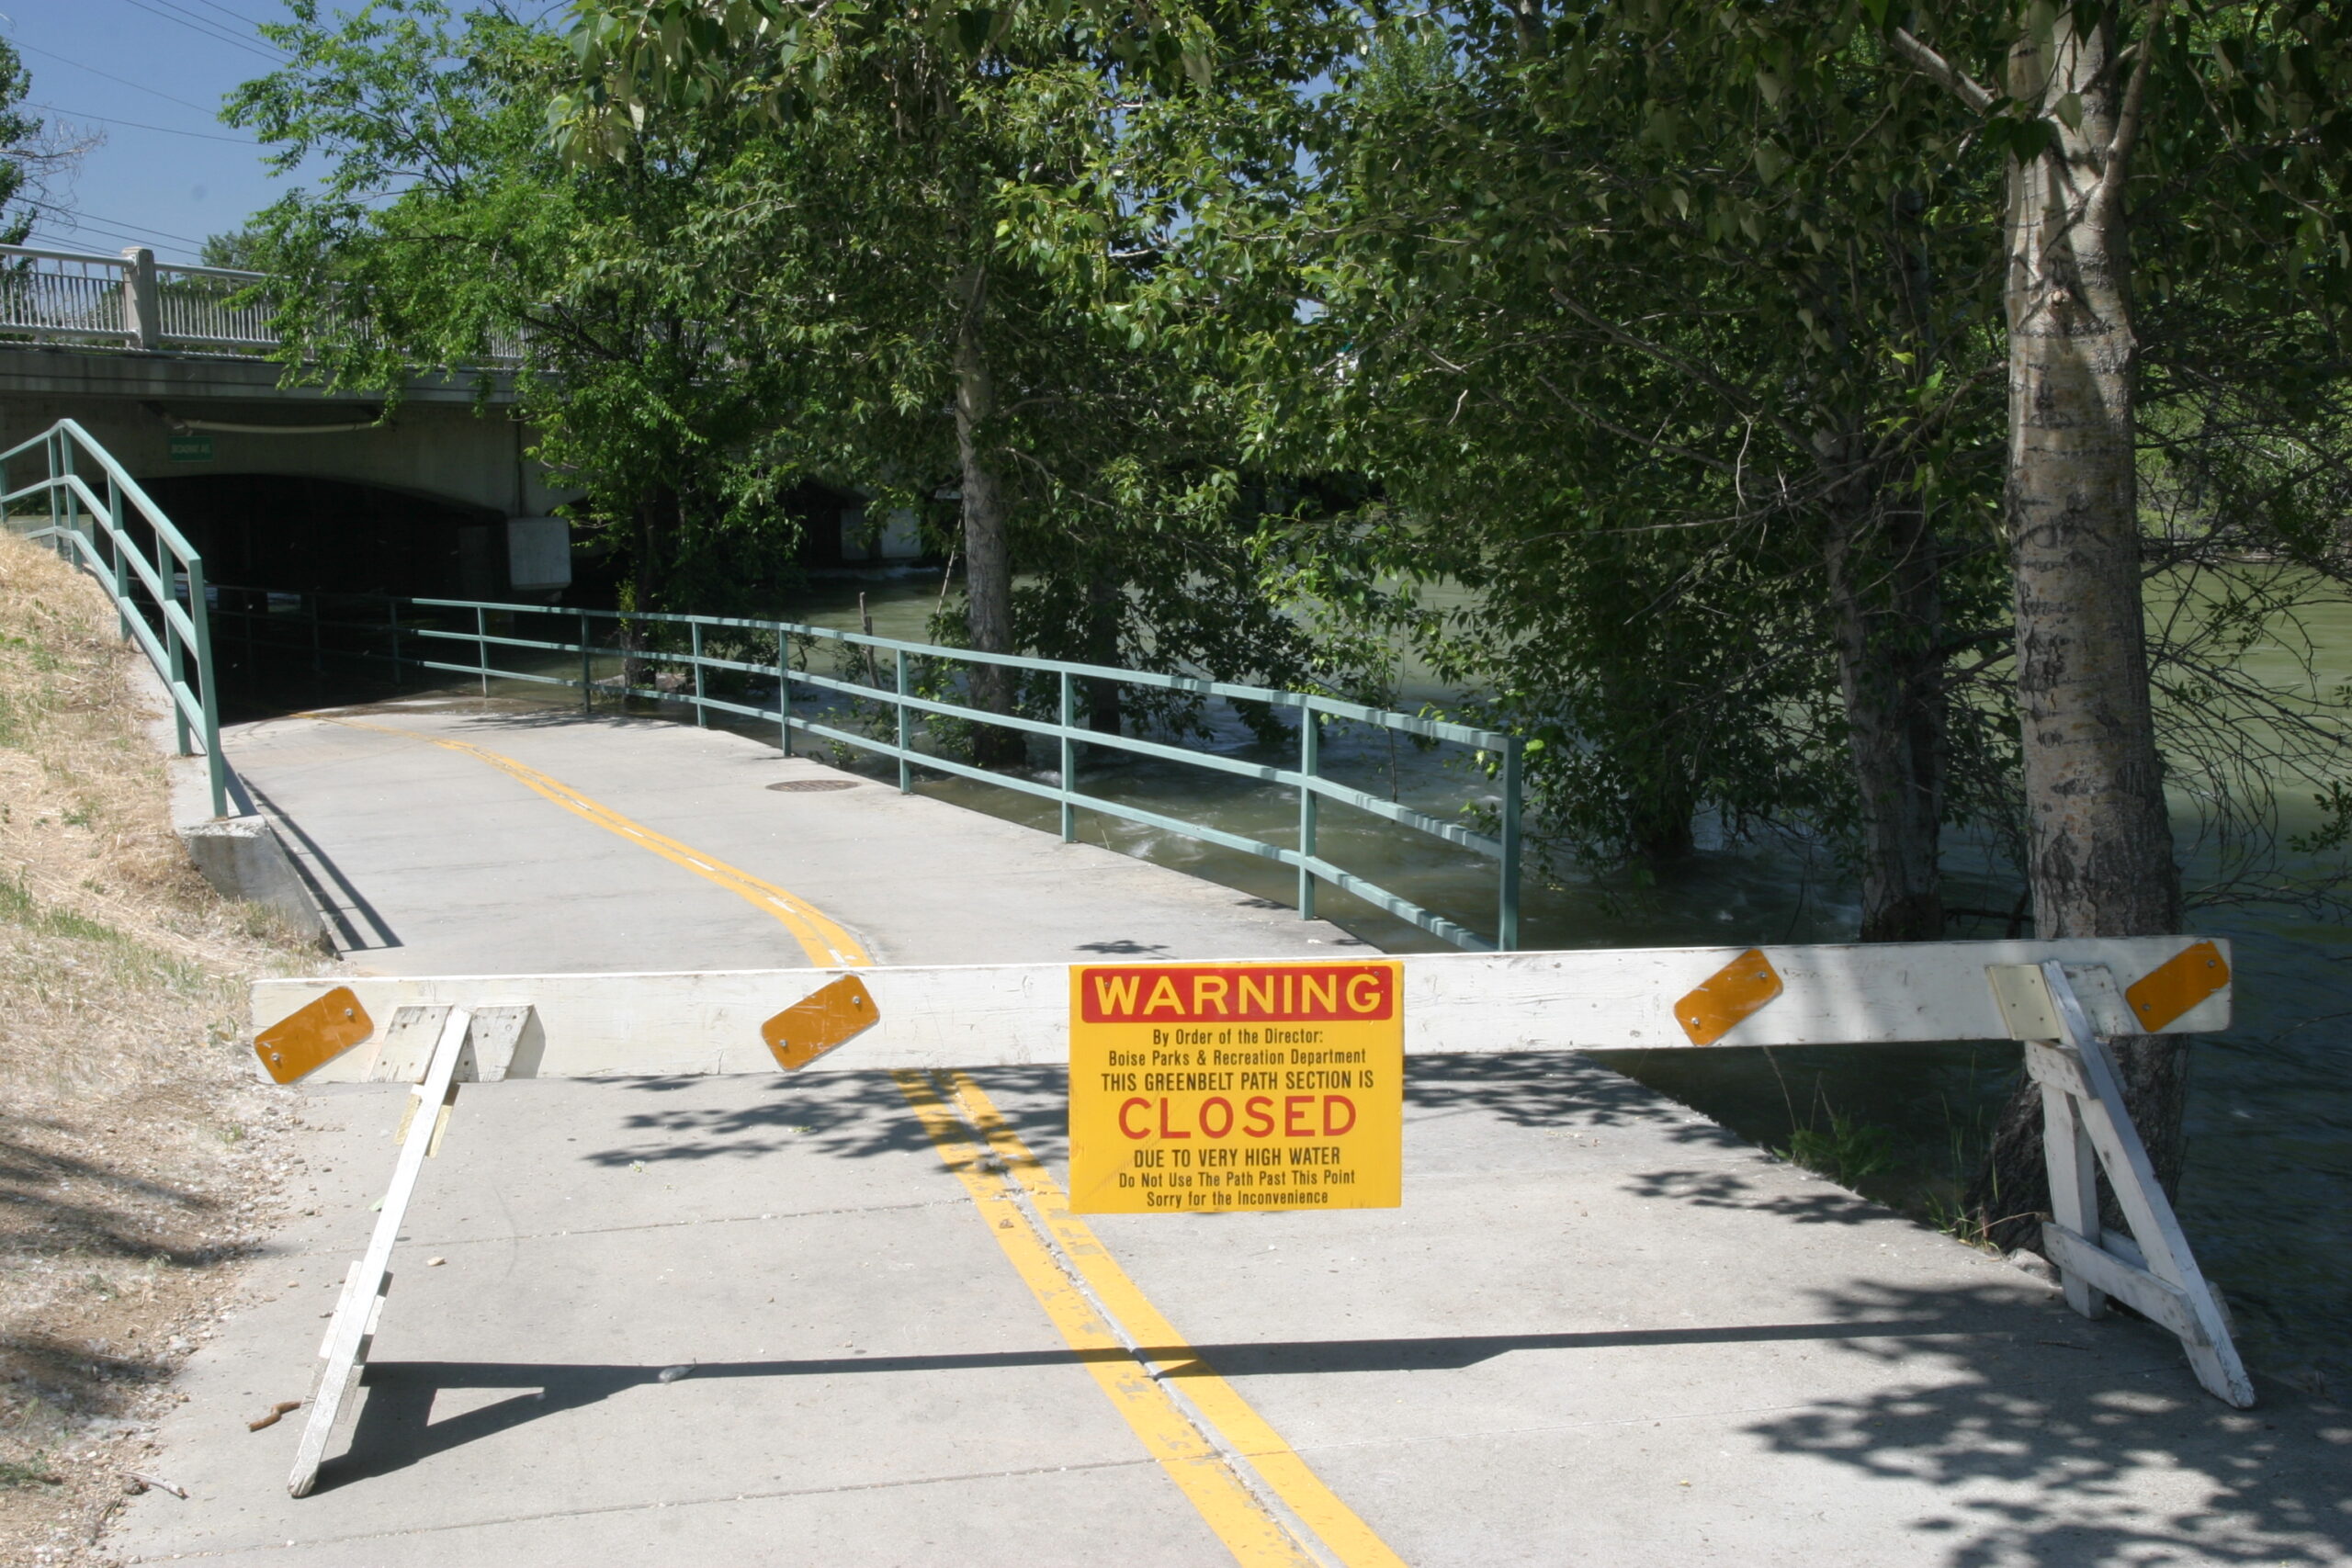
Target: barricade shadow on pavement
<point>2120,1459</point>
<point>395,1429</point>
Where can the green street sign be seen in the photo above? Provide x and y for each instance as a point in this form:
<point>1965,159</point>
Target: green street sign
<point>191,448</point>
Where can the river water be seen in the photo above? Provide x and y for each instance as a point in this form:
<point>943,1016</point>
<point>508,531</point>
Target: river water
<point>2267,1195</point>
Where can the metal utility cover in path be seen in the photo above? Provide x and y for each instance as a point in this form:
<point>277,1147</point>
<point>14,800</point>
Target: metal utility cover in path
<point>1203,1089</point>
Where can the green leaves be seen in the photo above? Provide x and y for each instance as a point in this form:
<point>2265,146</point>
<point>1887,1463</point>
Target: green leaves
<point>1614,325</point>
<point>16,130</point>
<point>975,28</point>
<point>774,61</point>
<point>1625,322</point>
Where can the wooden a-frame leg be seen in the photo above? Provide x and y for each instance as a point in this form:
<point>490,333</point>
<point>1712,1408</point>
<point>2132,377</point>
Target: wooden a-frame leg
<point>2073,1181</point>
<point>2157,1277</point>
<point>343,1357</point>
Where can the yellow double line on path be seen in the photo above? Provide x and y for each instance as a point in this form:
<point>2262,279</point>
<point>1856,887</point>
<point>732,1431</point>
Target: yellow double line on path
<point>1262,1500</point>
<point>1269,1509</point>
<point>828,944</point>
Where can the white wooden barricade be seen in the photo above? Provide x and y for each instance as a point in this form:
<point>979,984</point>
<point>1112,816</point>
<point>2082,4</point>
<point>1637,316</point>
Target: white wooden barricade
<point>2063,999</point>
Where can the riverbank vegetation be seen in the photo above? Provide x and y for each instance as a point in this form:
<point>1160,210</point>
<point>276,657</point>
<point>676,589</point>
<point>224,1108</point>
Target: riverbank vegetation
<point>1811,398</point>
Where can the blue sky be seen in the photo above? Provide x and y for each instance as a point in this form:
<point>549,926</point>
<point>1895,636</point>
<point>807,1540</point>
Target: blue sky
<point>149,75</point>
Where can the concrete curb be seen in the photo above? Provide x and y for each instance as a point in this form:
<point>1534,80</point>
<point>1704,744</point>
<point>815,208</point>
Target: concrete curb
<point>241,855</point>
<point>244,858</point>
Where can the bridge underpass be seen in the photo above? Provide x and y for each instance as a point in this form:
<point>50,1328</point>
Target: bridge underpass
<point>300,534</point>
<point>294,488</point>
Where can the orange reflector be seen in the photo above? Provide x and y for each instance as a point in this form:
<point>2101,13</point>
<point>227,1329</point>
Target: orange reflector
<point>312,1035</point>
<point>818,1022</point>
<point>2178,984</point>
<point>1727,996</point>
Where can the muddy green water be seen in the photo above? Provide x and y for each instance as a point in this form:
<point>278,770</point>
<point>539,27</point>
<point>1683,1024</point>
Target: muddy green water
<point>2268,1193</point>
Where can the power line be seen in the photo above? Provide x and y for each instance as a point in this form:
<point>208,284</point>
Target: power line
<point>218,35</point>
<point>69,235</point>
<point>119,81</point>
<point>161,233</point>
<point>141,125</point>
<point>115,225</point>
<point>65,241</point>
<point>224,10</point>
<point>190,18</point>
<point>244,22</point>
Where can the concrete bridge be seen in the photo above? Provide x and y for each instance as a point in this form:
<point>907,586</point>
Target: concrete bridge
<point>297,488</point>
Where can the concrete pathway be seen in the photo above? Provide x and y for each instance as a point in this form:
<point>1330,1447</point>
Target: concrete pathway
<point>440,864</point>
<point>755,1320</point>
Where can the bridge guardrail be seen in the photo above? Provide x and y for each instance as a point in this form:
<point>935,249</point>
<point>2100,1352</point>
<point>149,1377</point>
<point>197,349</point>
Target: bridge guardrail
<point>92,526</point>
<point>132,301</point>
<point>385,638</point>
<point>167,605</point>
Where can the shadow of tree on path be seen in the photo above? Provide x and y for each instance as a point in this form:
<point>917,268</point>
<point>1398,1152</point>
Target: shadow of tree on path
<point>845,1116</point>
<point>2072,1444</point>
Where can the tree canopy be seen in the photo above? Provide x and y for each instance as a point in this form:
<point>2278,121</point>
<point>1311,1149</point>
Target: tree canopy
<point>934,288</point>
<point>16,129</point>
<point>1674,344</point>
<point>1696,314</point>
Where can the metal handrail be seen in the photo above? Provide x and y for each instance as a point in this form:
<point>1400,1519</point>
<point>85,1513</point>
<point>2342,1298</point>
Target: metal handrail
<point>87,523</point>
<point>38,253</point>
<point>904,704</point>
<point>134,301</point>
<point>86,526</point>
<point>131,300</point>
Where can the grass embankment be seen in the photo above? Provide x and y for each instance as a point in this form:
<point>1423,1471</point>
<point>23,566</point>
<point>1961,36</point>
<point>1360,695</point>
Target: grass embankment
<point>138,1167</point>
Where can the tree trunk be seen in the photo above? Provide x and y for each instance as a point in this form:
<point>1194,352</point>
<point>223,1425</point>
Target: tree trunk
<point>1657,745</point>
<point>1528,22</point>
<point>1886,608</point>
<point>1658,823</point>
<point>1105,705</point>
<point>1882,575</point>
<point>2099,837</point>
<point>645,579</point>
<point>988,556</point>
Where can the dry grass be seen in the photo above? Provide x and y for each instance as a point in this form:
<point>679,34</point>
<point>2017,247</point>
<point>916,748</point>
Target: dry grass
<point>138,1161</point>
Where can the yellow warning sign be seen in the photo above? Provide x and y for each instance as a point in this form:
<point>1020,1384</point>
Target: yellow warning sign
<point>1216,1088</point>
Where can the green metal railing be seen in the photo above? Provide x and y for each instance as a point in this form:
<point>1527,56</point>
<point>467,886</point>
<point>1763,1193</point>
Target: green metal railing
<point>94,511</point>
<point>403,632</point>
